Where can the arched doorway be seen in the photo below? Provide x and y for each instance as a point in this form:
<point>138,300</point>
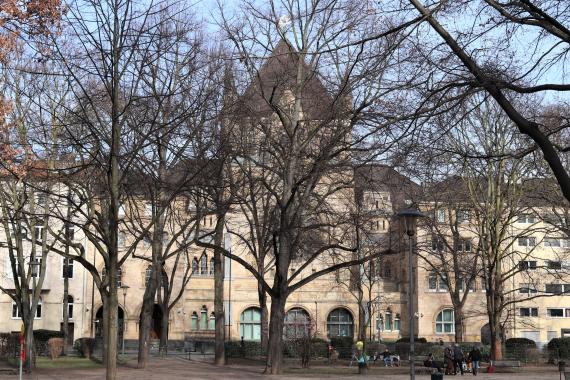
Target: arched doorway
<point>156,328</point>
<point>99,323</point>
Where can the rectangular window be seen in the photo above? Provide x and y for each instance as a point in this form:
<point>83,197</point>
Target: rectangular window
<point>528,312</point>
<point>437,243</point>
<point>554,264</point>
<point>527,265</point>
<point>440,215</point>
<point>526,241</point>
<point>553,288</point>
<point>526,288</point>
<point>463,245</point>
<point>69,231</point>
<point>148,209</point>
<point>555,313</point>
<point>432,281</point>
<point>551,242</point>
<point>67,268</point>
<point>39,230</point>
<point>526,218</point>
<point>443,283</point>
<point>463,216</point>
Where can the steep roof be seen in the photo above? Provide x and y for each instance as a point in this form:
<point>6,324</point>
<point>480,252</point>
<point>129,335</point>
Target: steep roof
<point>277,75</point>
<point>378,177</point>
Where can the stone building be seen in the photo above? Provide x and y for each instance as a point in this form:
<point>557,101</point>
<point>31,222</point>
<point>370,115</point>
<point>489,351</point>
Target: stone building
<point>330,305</point>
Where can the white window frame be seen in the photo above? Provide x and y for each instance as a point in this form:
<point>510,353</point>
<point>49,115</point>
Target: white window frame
<point>63,266</point>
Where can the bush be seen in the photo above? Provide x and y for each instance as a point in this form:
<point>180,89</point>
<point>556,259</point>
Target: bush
<point>407,340</point>
<point>85,347</point>
<point>559,348</point>
<point>41,338</point>
<point>343,345</point>
<point>55,347</point>
<point>520,342</point>
<point>234,349</point>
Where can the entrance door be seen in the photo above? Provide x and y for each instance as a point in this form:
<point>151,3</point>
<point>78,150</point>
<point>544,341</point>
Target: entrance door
<point>70,331</point>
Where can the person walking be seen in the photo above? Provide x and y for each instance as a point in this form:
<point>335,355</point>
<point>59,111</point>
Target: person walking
<point>475,357</point>
<point>448,356</point>
<point>457,359</point>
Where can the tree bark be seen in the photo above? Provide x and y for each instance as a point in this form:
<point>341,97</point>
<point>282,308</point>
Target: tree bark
<point>264,317</point>
<point>220,335</point>
<point>146,318</point>
<point>111,314</point>
<point>164,329</point>
<point>275,349</point>
<point>65,310</point>
<point>458,319</point>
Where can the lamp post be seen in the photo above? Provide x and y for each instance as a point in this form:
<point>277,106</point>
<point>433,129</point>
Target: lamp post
<point>409,218</point>
<point>124,288</point>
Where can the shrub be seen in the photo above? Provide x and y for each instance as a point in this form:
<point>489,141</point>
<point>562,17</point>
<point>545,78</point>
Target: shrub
<point>85,347</point>
<point>407,340</point>
<point>559,348</point>
<point>520,342</point>
<point>41,338</point>
<point>55,347</point>
<point>343,345</point>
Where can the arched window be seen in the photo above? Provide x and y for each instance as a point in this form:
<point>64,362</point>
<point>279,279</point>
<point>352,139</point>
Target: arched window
<point>204,318</point>
<point>204,264</point>
<point>194,321</point>
<point>250,324</point>
<point>444,323</point>
<point>39,309</point>
<point>339,323</point>
<point>212,322</point>
<point>212,266</point>
<point>147,274</point>
<point>69,307</point>
<point>297,324</point>
<point>195,266</point>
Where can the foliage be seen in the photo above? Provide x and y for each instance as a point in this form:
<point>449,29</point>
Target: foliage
<point>55,347</point>
<point>343,345</point>
<point>407,340</point>
<point>519,342</point>
<point>85,346</point>
<point>559,348</point>
<point>41,339</point>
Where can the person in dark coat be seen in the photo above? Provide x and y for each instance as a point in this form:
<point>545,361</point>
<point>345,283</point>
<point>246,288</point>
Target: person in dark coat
<point>457,358</point>
<point>448,355</point>
<point>475,357</point>
<point>430,362</point>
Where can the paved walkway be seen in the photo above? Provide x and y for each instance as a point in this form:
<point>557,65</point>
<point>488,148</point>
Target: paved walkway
<point>178,368</point>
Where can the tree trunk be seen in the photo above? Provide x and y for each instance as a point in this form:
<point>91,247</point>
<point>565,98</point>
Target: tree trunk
<point>65,311</point>
<point>264,317</point>
<point>29,344</point>
<point>220,337</point>
<point>458,315</point>
<point>275,350</point>
<point>146,318</point>
<point>105,300</point>
<point>496,341</point>
<point>164,330</point>
<point>361,322</point>
<point>111,314</point>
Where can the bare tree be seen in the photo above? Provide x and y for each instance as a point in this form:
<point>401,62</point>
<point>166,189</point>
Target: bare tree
<point>514,72</point>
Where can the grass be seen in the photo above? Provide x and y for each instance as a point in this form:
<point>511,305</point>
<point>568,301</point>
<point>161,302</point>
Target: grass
<point>66,362</point>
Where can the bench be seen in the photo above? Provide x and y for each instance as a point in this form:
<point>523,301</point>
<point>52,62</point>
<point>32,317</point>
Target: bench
<point>506,363</point>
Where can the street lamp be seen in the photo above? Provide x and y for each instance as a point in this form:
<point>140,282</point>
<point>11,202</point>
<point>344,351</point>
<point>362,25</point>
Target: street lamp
<point>409,218</point>
<point>124,288</point>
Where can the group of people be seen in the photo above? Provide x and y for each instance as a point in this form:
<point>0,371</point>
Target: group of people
<point>456,361</point>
